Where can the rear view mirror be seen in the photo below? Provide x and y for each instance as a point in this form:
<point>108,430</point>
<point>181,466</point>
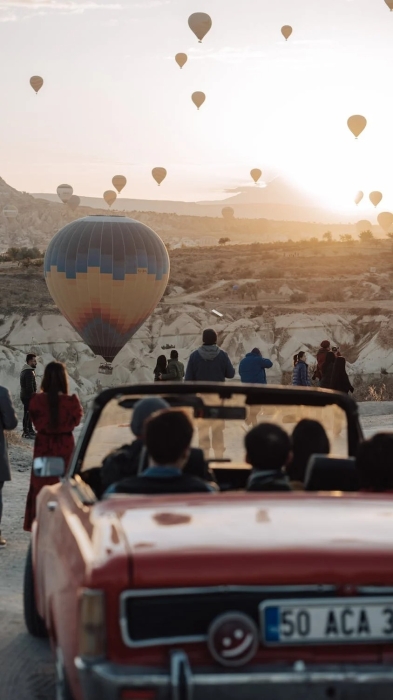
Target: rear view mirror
<point>48,466</point>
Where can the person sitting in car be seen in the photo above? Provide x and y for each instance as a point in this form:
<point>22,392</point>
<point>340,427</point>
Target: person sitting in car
<point>167,436</point>
<point>308,438</point>
<point>268,450</point>
<point>374,464</point>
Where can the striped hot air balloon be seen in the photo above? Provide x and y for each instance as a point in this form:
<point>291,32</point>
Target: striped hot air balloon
<point>106,274</point>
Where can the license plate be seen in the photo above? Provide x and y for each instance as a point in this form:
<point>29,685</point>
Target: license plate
<point>327,621</point>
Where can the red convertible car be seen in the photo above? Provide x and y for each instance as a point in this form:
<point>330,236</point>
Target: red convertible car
<point>226,595</point>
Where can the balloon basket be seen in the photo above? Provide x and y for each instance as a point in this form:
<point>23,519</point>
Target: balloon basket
<point>105,368</point>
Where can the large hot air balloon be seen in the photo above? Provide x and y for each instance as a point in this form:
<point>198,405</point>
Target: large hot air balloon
<point>357,124</point>
<point>110,197</point>
<point>36,83</point>
<point>159,174</point>
<point>228,213</point>
<point>364,225</point>
<point>198,98</point>
<point>106,274</point>
<point>385,220</point>
<point>375,198</point>
<point>286,31</point>
<point>64,192</point>
<point>200,23</point>
<point>359,197</point>
<point>10,212</point>
<point>256,174</point>
<point>389,4</point>
<point>74,202</point>
<point>181,59</point>
<point>119,182</point>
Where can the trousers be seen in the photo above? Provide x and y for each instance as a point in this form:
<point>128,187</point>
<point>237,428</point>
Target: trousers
<point>212,436</point>
<point>27,424</point>
<point>1,498</point>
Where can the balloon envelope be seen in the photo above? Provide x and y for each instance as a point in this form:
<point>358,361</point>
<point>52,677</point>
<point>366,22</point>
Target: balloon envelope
<point>74,202</point>
<point>228,213</point>
<point>364,225</point>
<point>159,174</point>
<point>181,59</point>
<point>200,23</point>
<point>375,198</point>
<point>106,274</point>
<point>286,31</point>
<point>256,174</point>
<point>64,192</point>
<point>36,83</point>
<point>110,197</point>
<point>198,98</point>
<point>10,212</point>
<point>389,4</point>
<point>359,197</point>
<point>119,182</point>
<point>357,124</point>
<point>385,220</point>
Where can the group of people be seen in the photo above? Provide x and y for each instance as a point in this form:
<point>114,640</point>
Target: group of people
<point>330,372</point>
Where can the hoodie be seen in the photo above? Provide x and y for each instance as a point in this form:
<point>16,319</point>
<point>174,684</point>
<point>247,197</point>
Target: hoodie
<point>28,384</point>
<point>209,364</point>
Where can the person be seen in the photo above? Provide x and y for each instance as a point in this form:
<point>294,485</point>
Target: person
<point>268,450</point>
<point>55,414</point>
<point>327,371</point>
<point>160,368</point>
<point>175,369</point>
<point>253,366</point>
<point>300,370</point>
<point>374,463</point>
<point>321,357</point>
<point>340,380</point>
<point>167,436</point>
<point>28,387</point>
<point>308,438</point>
<point>209,363</point>
<point>8,421</point>
<point>336,351</point>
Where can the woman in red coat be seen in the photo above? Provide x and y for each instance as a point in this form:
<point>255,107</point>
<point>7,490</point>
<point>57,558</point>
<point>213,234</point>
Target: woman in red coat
<point>54,414</point>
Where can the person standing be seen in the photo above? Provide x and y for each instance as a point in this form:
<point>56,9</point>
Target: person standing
<point>321,358</point>
<point>8,421</point>
<point>327,371</point>
<point>175,369</point>
<point>253,366</point>
<point>300,375</point>
<point>340,380</point>
<point>28,387</point>
<point>55,415</point>
<point>160,368</point>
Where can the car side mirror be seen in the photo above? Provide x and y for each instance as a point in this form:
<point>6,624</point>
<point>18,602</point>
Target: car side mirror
<point>48,466</point>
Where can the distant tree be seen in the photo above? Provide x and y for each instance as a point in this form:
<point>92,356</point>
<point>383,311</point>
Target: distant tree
<point>366,236</point>
<point>390,235</point>
<point>222,241</point>
<point>314,240</point>
<point>346,238</point>
<point>327,237</point>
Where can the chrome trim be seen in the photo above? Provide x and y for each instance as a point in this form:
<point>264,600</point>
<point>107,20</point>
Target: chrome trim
<point>192,639</point>
<point>181,676</point>
<point>375,590</point>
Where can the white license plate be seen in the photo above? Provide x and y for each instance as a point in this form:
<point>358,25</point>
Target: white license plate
<point>327,621</point>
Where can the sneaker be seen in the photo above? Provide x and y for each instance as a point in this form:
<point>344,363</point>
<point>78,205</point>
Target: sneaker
<point>3,542</point>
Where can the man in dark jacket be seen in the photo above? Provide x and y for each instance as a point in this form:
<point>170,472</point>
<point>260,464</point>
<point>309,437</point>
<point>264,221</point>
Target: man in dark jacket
<point>252,368</point>
<point>209,363</point>
<point>175,369</point>
<point>28,387</point>
<point>268,449</point>
<point>8,421</point>
<point>168,436</point>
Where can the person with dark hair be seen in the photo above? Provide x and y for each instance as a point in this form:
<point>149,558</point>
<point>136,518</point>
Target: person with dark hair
<point>175,369</point>
<point>327,371</point>
<point>28,387</point>
<point>340,380</point>
<point>300,375</point>
<point>308,438</point>
<point>160,368</point>
<point>209,363</point>
<point>321,357</point>
<point>55,415</point>
<point>253,366</point>
<point>374,463</point>
<point>8,421</point>
<point>167,436</point>
<point>268,450</point>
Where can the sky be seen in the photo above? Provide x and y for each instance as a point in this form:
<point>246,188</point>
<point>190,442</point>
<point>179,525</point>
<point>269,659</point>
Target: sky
<point>115,102</point>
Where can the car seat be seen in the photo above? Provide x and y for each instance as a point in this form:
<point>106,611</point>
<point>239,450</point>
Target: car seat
<point>325,473</point>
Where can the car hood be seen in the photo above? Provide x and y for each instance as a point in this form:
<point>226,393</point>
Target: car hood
<point>256,539</point>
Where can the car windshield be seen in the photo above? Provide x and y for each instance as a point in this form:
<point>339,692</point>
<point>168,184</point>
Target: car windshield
<point>220,424</point>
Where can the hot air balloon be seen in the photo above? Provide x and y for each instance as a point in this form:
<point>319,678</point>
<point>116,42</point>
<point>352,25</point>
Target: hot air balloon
<point>10,212</point>
<point>364,225</point>
<point>36,83</point>
<point>159,175</point>
<point>375,198</point>
<point>357,124</point>
<point>110,197</point>
<point>181,59</point>
<point>389,4</point>
<point>198,98</point>
<point>119,182</point>
<point>106,274</point>
<point>256,174</point>
<point>286,31</point>
<point>64,192</point>
<point>74,202</point>
<point>228,213</point>
<point>385,220</point>
<point>359,197</point>
<point>200,23</point>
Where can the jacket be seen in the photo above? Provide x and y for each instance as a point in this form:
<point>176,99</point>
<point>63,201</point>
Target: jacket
<point>209,364</point>
<point>300,374</point>
<point>175,372</point>
<point>272,480</point>
<point>252,369</point>
<point>176,483</point>
<point>8,421</point>
<point>321,359</point>
<point>343,384</point>
<point>326,381</point>
<point>28,384</point>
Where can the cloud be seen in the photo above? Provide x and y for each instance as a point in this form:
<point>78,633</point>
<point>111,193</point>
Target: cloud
<point>58,5</point>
